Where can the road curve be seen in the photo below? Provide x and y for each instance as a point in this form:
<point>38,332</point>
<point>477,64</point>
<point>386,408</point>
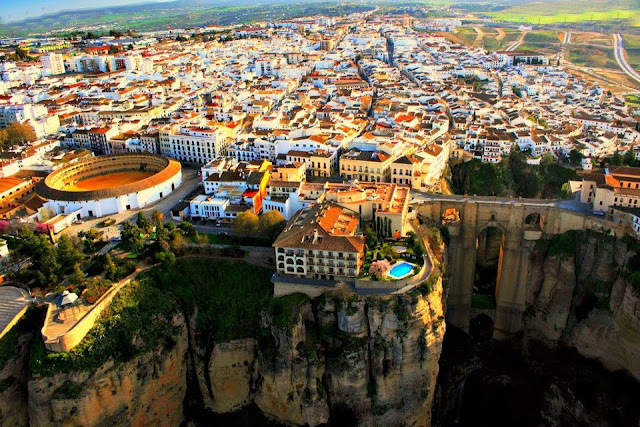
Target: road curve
<point>621,58</point>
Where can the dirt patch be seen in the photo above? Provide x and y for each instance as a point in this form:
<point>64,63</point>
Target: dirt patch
<point>108,180</point>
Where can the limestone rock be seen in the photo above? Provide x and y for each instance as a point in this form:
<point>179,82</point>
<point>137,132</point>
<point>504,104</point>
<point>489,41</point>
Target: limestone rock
<point>147,390</point>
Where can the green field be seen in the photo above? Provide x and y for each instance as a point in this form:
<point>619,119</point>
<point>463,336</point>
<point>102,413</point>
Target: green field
<point>632,44</point>
<point>546,37</point>
<point>563,11</point>
<point>632,100</point>
<point>466,34</point>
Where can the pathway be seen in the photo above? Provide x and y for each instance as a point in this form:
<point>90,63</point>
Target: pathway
<point>479,37</point>
<point>516,44</point>
<point>13,304</point>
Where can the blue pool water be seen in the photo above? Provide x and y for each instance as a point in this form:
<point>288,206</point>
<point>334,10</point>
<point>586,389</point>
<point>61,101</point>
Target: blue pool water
<point>400,270</point>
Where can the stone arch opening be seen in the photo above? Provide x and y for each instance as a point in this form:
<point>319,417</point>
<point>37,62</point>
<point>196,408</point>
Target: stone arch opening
<point>481,328</point>
<point>534,221</point>
<point>450,216</point>
<point>489,255</point>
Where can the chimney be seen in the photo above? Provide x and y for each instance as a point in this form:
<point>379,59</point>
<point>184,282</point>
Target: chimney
<point>315,235</point>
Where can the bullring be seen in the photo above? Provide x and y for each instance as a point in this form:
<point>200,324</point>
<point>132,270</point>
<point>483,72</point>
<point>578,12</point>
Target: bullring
<point>106,185</point>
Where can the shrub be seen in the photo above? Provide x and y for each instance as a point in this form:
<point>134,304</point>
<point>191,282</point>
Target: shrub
<point>564,244</point>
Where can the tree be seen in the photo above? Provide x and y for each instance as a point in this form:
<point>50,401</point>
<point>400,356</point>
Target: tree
<point>157,217</point>
<point>110,267</point>
<point>69,254</point>
<point>616,159</point>
<point>132,237</point>
<point>177,242</point>
<point>575,157</point>
<point>271,223</point>
<point>19,134</point>
<point>143,221</point>
<point>371,239</point>
<point>113,49</point>
<point>187,228</point>
<point>246,223</point>
<point>43,256</point>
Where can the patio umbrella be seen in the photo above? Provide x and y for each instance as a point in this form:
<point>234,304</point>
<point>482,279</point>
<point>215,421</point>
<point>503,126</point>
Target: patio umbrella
<point>69,298</point>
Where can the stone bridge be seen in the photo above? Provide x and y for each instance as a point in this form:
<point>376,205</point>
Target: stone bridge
<point>521,222</point>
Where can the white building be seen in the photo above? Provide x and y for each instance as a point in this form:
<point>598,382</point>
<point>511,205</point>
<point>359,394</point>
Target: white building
<point>53,62</point>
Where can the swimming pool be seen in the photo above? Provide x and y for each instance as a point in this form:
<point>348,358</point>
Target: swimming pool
<point>401,270</point>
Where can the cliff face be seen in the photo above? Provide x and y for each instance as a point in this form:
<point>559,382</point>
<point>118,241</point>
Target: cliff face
<point>147,390</point>
<point>13,390</point>
<point>368,360</point>
<point>580,299</point>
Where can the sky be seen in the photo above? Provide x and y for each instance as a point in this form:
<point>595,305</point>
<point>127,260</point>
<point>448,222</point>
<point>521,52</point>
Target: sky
<point>17,10</point>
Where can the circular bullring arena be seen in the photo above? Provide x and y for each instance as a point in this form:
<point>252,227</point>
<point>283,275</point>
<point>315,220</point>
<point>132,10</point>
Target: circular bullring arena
<point>106,185</point>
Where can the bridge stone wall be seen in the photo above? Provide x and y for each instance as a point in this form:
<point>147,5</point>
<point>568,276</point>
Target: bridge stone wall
<point>508,215</point>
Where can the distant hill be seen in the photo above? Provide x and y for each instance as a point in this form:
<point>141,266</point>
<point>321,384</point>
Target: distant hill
<point>175,14</point>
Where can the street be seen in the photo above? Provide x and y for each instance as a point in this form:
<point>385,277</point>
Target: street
<point>621,58</point>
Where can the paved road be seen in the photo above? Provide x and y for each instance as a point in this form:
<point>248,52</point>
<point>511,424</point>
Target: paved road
<point>621,58</point>
<point>516,44</point>
<point>567,38</point>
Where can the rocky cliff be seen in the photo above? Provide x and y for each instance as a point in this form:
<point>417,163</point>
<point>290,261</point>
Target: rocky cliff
<point>579,297</point>
<point>366,360</point>
<point>576,361</point>
<point>147,390</point>
<point>369,360</point>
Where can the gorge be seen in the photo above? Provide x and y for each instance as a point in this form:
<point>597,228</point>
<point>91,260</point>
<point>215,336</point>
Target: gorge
<point>346,359</point>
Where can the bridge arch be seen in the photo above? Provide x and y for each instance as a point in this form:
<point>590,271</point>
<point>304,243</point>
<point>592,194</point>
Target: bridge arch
<point>534,221</point>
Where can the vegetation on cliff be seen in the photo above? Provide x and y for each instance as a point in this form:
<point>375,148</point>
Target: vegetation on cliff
<point>512,176</point>
<point>228,295</point>
<point>140,318</point>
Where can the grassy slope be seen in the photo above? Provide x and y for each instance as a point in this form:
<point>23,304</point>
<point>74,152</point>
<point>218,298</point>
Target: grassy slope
<point>229,296</point>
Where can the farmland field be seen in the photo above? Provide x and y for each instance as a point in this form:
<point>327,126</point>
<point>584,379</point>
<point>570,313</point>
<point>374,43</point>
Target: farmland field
<point>564,11</point>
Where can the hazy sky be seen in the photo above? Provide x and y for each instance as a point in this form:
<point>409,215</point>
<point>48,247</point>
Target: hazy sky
<point>16,10</point>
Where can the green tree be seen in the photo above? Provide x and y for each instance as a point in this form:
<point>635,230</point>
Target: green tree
<point>69,254</point>
<point>177,242</point>
<point>143,221</point>
<point>271,223</point>
<point>43,257</point>
<point>110,267</point>
<point>616,159</point>
<point>246,223</point>
<point>575,157</point>
<point>132,237</point>
<point>187,228</point>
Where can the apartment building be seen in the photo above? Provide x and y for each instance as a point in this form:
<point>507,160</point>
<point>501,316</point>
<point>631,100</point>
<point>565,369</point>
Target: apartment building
<point>321,242</point>
<point>54,62</point>
<point>193,144</point>
<point>374,166</point>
